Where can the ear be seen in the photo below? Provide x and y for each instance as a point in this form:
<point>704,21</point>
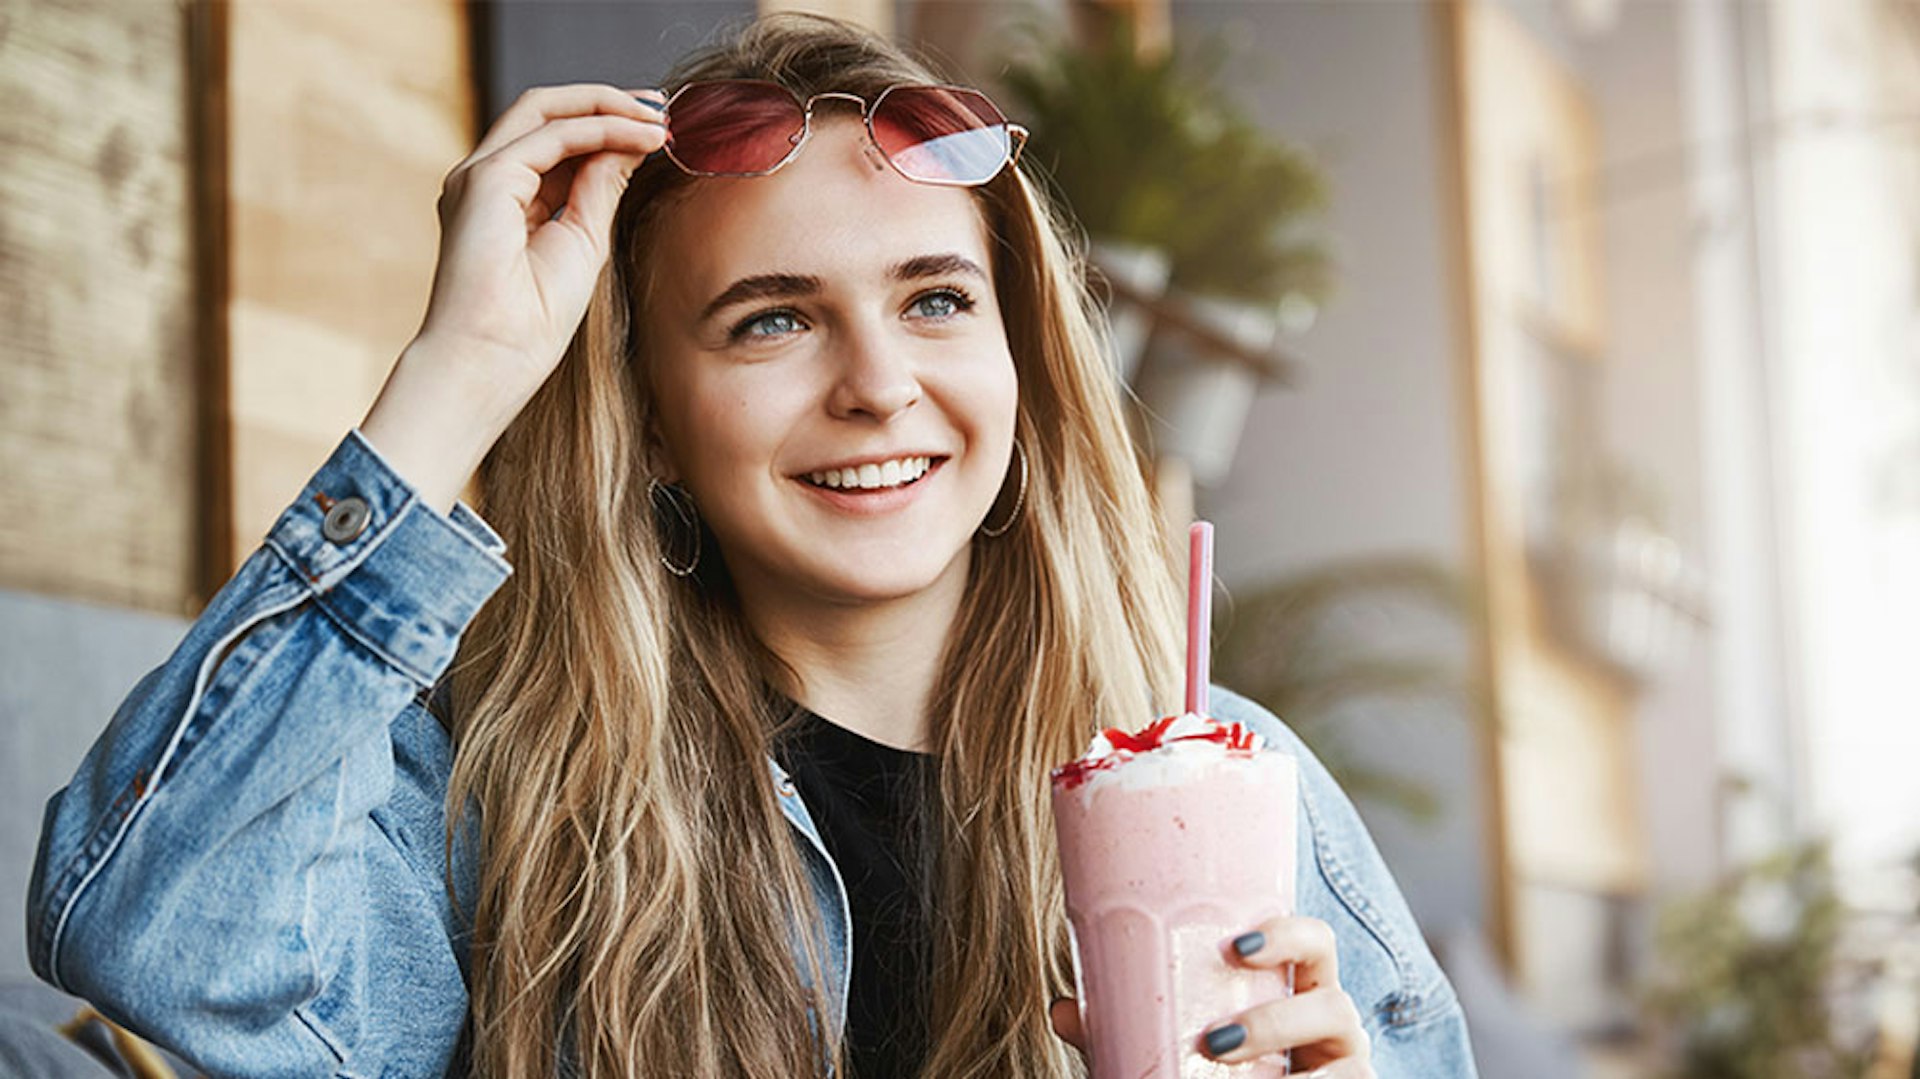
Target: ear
<point>655,459</point>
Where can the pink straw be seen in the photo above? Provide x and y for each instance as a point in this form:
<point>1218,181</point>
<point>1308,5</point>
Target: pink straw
<point>1199,613</point>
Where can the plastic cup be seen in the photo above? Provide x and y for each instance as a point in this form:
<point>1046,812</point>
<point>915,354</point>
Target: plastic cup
<point>1165,862</point>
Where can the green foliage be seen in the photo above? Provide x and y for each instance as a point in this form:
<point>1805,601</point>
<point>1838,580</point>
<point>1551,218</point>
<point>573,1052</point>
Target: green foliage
<point>1111,130</point>
<point>1290,644</point>
<point>1245,230</point>
<point>1152,151</point>
<point>1748,969</point>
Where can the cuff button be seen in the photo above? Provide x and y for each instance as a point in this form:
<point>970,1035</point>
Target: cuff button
<point>345,520</point>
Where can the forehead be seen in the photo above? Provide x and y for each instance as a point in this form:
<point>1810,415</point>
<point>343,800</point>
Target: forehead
<point>835,209</point>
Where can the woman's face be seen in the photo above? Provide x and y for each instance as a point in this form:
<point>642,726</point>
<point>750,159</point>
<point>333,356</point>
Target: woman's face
<point>820,337</point>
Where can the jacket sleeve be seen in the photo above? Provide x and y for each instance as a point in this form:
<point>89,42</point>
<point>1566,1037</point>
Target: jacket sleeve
<point>1412,1018</point>
<point>223,874</point>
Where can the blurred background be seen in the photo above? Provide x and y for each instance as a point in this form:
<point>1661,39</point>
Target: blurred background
<point>1551,369</point>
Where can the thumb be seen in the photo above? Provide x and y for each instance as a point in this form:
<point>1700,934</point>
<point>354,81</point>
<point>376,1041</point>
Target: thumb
<point>1065,1015</point>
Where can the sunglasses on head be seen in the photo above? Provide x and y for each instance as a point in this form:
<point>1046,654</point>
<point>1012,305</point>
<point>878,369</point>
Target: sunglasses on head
<point>750,127</point>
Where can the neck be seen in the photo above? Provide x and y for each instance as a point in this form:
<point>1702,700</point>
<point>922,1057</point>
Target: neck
<point>869,667</point>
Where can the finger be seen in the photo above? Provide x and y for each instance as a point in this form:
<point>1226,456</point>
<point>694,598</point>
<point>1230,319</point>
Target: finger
<point>554,187</point>
<point>1307,943</point>
<point>520,166</point>
<point>1350,1068</point>
<point>1065,1015</point>
<point>596,192</point>
<point>543,104</point>
<point>1321,1026</point>
<point>574,136</point>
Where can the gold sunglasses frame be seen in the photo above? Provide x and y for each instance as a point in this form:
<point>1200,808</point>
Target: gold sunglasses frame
<point>1016,134</point>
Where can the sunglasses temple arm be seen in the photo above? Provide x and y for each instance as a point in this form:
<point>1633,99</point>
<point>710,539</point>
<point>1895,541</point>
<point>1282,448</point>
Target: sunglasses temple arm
<point>1018,135</point>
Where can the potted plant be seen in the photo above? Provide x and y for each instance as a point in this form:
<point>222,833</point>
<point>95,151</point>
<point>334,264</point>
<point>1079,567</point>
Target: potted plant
<point>1290,643</point>
<point>1177,186</point>
<point>1109,127</point>
<point>1754,979</point>
<point>1247,264</point>
<point>1617,584</point>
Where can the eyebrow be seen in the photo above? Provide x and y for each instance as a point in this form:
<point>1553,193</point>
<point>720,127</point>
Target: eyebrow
<point>782,285</point>
<point>761,287</point>
<point>940,265</point>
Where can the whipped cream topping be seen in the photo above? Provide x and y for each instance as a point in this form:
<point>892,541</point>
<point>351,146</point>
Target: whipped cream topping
<point>1183,736</point>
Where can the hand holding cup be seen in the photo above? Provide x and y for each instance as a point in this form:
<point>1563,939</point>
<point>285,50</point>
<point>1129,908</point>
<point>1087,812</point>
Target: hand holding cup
<point>1319,1023</point>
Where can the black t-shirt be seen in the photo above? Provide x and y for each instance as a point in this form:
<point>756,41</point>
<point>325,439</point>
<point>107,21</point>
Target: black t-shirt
<point>866,799</point>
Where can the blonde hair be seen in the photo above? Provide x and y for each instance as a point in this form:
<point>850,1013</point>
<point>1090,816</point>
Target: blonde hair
<point>641,896</point>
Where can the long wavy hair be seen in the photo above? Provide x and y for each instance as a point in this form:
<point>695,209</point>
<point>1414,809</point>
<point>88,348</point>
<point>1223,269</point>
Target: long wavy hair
<point>641,899</point>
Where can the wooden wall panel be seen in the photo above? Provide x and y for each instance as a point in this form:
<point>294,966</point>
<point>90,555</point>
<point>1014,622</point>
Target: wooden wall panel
<point>343,119</point>
<point>97,358</point>
<point>1529,148</point>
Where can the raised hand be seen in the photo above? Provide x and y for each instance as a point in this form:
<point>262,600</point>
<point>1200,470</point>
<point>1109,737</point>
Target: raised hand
<point>524,226</point>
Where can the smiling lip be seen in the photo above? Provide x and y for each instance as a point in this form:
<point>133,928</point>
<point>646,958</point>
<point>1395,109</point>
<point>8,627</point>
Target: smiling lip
<point>872,500</point>
<point>871,473</point>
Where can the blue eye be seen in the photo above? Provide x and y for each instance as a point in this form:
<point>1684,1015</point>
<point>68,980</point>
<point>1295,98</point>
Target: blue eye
<point>942,303</point>
<point>766,324</point>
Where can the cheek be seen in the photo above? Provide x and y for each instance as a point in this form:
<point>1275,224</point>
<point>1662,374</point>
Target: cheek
<point>720,436</point>
<point>998,394</point>
<point>727,427</point>
<point>672,423</point>
<point>695,423</point>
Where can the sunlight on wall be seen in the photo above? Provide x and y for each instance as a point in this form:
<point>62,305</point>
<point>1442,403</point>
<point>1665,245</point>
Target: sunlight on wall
<point>1848,229</point>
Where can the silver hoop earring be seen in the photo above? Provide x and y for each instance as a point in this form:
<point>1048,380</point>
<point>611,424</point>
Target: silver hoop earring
<point>1019,500</point>
<point>674,515</point>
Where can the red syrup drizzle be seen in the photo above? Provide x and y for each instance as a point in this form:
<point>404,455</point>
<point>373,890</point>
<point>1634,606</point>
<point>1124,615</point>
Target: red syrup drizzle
<point>1234,736</point>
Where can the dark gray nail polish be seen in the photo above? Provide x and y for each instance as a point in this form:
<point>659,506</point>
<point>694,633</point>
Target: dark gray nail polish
<point>1248,943</point>
<point>1225,1039</point>
<point>649,103</point>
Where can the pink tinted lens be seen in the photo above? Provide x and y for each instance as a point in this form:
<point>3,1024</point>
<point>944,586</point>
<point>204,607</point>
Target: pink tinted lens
<point>735,126</point>
<point>941,134</point>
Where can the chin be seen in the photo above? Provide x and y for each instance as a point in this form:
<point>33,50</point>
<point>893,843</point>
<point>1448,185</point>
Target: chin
<point>860,576</point>
<point>864,585</point>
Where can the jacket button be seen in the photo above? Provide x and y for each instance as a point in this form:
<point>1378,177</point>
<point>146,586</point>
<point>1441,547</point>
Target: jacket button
<point>345,521</point>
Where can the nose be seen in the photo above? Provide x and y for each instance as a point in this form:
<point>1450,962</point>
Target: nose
<point>876,380</point>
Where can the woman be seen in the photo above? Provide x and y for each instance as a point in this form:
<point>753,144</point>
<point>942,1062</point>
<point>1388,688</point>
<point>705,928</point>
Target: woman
<point>818,479</point>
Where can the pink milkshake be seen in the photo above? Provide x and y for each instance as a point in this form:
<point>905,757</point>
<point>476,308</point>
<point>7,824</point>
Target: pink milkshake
<point>1173,841</point>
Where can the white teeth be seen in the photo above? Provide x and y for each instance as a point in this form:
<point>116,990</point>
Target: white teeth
<point>873,476</point>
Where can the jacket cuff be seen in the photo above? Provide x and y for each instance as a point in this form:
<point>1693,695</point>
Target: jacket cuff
<point>396,574</point>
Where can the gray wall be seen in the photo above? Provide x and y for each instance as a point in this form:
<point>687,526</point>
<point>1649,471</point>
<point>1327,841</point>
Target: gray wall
<point>527,43</point>
<point>64,667</point>
<point>1365,457</point>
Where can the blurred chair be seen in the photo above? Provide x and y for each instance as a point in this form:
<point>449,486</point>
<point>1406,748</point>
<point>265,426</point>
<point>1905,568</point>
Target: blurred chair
<point>1509,1042</point>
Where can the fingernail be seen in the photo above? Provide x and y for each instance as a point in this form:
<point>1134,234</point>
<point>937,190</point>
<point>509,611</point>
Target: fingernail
<point>1248,943</point>
<point>1222,1040</point>
<point>649,103</point>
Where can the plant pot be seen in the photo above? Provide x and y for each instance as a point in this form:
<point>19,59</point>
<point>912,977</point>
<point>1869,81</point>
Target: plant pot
<point>1196,399</point>
<point>1630,598</point>
<point>1138,269</point>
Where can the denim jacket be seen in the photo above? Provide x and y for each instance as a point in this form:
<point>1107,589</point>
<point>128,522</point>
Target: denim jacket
<point>250,865</point>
